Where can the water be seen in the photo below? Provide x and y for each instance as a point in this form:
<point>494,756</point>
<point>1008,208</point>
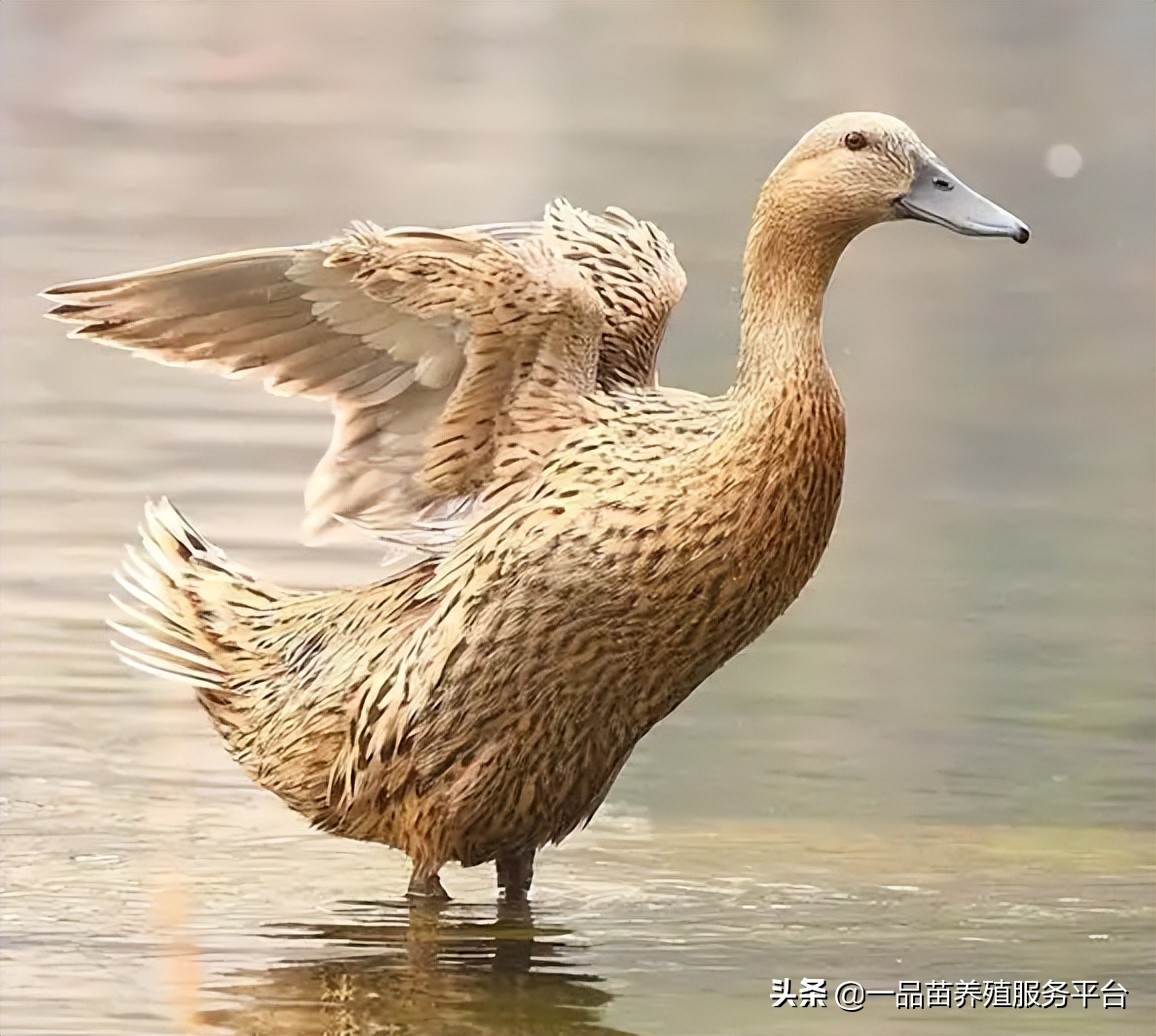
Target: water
<point>938,765</point>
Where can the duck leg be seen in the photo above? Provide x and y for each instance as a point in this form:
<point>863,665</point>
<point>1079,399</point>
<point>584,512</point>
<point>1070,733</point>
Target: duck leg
<point>424,884</point>
<point>515,872</point>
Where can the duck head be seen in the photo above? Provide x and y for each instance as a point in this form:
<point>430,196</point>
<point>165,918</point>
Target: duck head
<point>863,168</point>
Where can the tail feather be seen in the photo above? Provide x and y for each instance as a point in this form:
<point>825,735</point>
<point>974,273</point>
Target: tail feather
<point>275,669</point>
<point>186,595</point>
<point>192,615</point>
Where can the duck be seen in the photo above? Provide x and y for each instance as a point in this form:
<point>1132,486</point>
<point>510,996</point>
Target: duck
<point>575,546</point>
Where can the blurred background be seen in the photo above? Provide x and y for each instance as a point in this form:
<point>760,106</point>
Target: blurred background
<point>938,765</point>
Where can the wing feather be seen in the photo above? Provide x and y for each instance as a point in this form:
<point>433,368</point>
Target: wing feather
<point>421,340</point>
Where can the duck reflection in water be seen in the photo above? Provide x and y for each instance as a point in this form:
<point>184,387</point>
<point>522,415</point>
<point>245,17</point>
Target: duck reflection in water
<point>420,969</point>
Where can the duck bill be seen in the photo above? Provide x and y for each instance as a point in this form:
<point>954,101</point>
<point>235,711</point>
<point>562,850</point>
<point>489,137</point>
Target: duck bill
<point>938,196</point>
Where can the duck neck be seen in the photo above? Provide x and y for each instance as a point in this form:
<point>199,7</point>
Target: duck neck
<point>788,263</point>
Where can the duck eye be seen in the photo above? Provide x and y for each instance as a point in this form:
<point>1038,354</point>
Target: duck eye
<point>855,141</point>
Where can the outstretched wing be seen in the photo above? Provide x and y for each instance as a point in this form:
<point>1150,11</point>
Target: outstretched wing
<point>430,345</point>
<point>631,264</point>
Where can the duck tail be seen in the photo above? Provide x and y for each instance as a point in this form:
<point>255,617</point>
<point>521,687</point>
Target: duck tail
<point>275,668</point>
<point>194,616</point>
<point>184,596</point>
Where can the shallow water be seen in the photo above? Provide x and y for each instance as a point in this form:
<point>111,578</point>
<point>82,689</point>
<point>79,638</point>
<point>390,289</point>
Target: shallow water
<point>938,766</point>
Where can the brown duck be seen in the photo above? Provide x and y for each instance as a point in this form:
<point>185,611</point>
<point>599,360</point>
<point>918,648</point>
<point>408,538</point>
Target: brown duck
<point>578,547</point>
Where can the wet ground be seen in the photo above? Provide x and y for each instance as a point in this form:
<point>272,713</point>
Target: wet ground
<point>937,767</point>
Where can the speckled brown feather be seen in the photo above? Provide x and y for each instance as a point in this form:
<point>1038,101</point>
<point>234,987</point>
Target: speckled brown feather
<point>415,336</point>
<point>617,544</point>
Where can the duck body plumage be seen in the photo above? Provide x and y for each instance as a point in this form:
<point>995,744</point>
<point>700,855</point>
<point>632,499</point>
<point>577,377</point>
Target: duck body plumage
<point>580,547</point>
<point>611,592</point>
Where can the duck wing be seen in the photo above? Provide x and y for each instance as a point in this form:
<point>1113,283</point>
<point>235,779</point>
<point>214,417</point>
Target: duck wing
<point>632,266</point>
<point>450,358</point>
